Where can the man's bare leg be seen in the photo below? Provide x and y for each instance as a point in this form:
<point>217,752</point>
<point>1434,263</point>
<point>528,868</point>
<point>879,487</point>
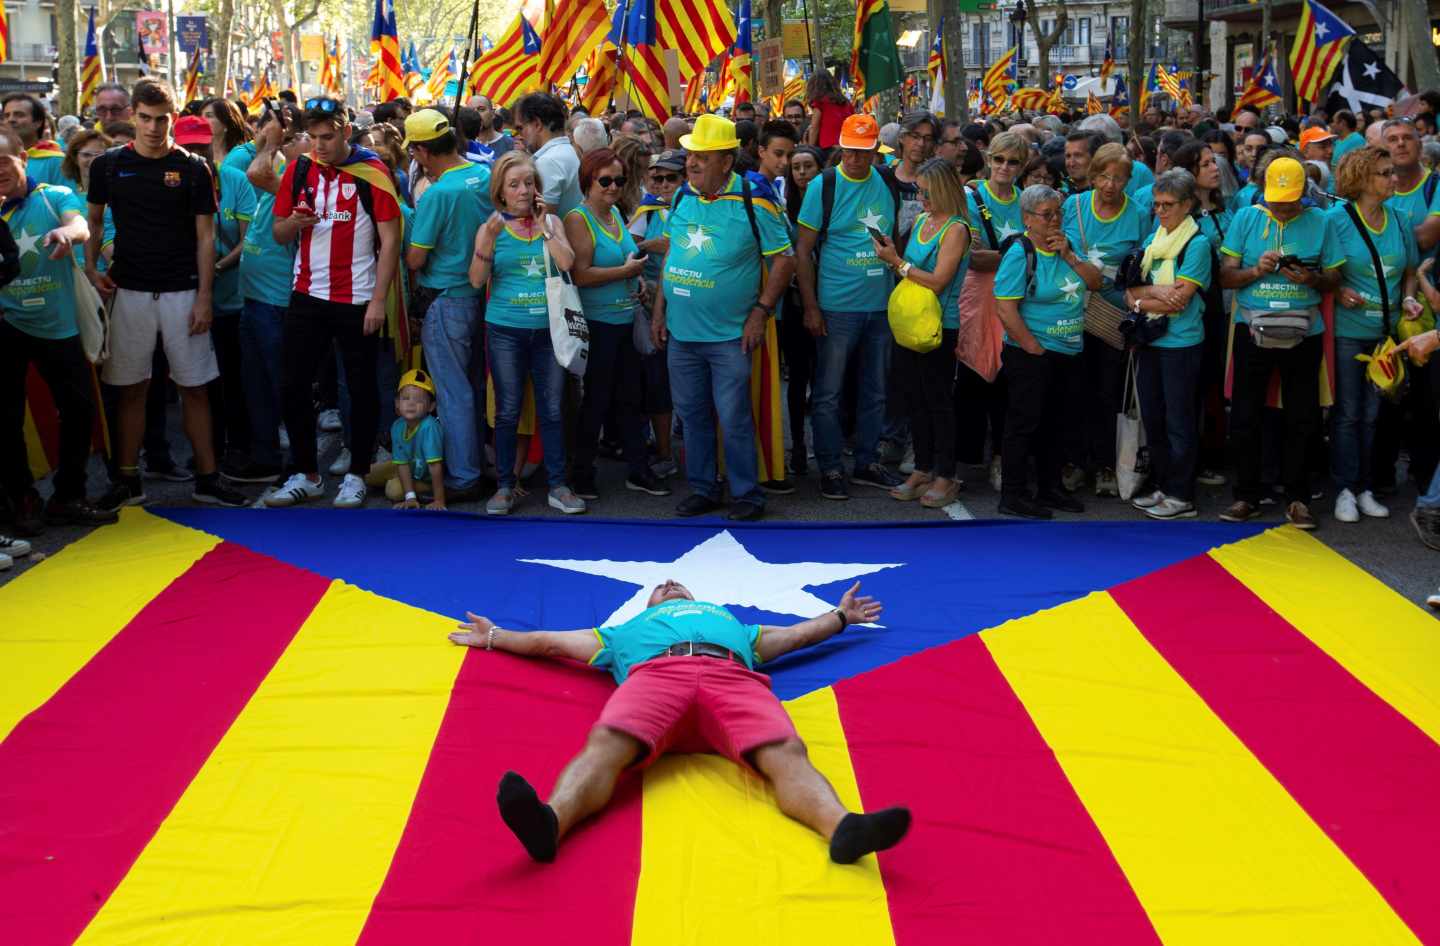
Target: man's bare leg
<point>584,787</point>
<point>807,796</point>
<point>131,416</point>
<point>195,415</point>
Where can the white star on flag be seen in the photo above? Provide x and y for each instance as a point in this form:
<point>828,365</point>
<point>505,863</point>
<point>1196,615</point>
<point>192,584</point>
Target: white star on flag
<point>722,571</point>
<point>1321,29</point>
<point>1071,288</point>
<point>697,238</point>
<point>872,219</point>
<point>27,242</point>
<point>534,268</point>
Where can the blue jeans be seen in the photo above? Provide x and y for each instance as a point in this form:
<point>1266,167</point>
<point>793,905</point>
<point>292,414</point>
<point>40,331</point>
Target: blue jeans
<point>260,366</point>
<point>1168,385</point>
<point>710,380</point>
<point>449,335</point>
<point>845,333</point>
<point>515,354</point>
<point>1357,406</point>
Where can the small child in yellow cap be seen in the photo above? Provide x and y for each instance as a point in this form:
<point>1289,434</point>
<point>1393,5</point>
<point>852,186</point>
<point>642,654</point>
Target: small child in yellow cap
<point>417,445</point>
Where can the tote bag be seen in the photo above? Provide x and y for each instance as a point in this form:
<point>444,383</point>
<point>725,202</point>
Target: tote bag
<point>1130,466</point>
<point>90,311</point>
<point>569,332</point>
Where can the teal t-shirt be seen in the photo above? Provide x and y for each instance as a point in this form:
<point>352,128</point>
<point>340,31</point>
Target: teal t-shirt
<point>1344,146</point>
<point>1004,215</point>
<point>1140,177</point>
<point>40,301</point>
<point>1187,327</point>
<point>1246,196</point>
<point>849,277</point>
<point>614,302</point>
<point>418,448</point>
<point>240,157</point>
<point>107,238</point>
<point>672,622</point>
<point>449,209</point>
<point>926,255</point>
<point>1309,236</point>
<point>47,170</point>
<point>1412,203</point>
<point>1055,314</point>
<point>517,282</point>
<point>648,223</point>
<point>1106,240</point>
<point>267,269</point>
<point>1395,243</point>
<point>1144,200</point>
<point>712,270</point>
<point>237,205</point>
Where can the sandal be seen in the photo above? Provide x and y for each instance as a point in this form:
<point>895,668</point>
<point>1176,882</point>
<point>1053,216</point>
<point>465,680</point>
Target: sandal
<point>933,500</point>
<point>907,492</point>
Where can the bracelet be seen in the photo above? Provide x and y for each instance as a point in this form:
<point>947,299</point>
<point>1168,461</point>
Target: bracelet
<point>844,623</point>
<point>767,309</point>
<point>490,638</point>
<point>410,495</point>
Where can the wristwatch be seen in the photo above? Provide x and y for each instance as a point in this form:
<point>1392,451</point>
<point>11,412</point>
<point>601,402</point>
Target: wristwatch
<point>1135,306</point>
<point>767,309</point>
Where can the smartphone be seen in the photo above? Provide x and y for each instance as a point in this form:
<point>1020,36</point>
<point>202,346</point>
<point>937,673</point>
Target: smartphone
<point>1292,260</point>
<point>876,235</point>
<point>641,254</point>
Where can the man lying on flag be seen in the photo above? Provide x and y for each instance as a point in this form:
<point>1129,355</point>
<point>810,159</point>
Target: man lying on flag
<point>687,684</point>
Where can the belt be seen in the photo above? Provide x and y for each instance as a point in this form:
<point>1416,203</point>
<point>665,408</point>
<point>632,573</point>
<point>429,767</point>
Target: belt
<point>699,649</point>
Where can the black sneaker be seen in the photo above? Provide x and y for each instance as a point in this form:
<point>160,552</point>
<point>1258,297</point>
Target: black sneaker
<point>251,472</point>
<point>168,472</point>
<point>1022,507</point>
<point>78,512</point>
<point>209,490</point>
<point>696,505</point>
<point>124,491</point>
<point>832,486</point>
<point>745,511</point>
<point>877,476</point>
<point>1427,526</point>
<point>779,487</point>
<point>29,520</point>
<point>470,494</point>
<point>1061,502</point>
<point>646,482</point>
<point>584,486</point>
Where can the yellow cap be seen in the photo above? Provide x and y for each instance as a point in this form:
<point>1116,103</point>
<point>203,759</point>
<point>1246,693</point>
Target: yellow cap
<point>418,377</point>
<point>712,133</point>
<point>425,125</point>
<point>1284,181</point>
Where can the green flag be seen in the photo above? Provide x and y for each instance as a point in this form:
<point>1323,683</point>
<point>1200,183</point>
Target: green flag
<point>874,59</point>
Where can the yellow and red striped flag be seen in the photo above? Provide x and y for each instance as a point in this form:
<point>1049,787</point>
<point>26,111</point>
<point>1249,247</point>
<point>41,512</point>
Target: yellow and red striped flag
<point>642,71</point>
<point>1092,104</point>
<point>600,71</point>
<point>936,65</point>
<point>1167,82</point>
<point>1321,39</point>
<point>446,68</point>
<point>698,30</point>
<point>1030,99</point>
<point>193,72</point>
<point>92,70</point>
<point>742,59</point>
<point>385,47</point>
<point>573,32</point>
<point>1000,77</point>
<point>4,34</point>
<point>511,69</point>
<point>1264,86</point>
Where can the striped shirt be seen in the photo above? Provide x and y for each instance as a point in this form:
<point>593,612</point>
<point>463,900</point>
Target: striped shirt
<point>336,257</point>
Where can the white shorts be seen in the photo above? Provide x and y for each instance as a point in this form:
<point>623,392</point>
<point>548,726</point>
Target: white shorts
<point>138,319</point>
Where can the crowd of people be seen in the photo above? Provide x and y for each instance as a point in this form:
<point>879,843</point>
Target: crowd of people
<point>286,273</point>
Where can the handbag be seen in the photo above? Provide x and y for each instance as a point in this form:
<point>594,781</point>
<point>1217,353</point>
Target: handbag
<point>569,332</point>
<point>1131,469</point>
<point>914,313</point>
<point>1102,318</point>
<point>982,337</point>
<point>91,313</point>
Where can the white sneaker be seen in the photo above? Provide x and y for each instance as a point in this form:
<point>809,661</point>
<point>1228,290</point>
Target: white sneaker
<point>15,548</point>
<point>1148,501</point>
<point>564,499</point>
<point>907,463</point>
<point>995,474</point>
<point>341,464</point>
<point>1367,503</point>
<point>6,562</point>
<point>501,503</point>
<point>299,488</point>
<point>329,420</point>
<point>1345,510</point>
<point>1171,508</point>
<point>1434,601</point>
<point>352,492</point>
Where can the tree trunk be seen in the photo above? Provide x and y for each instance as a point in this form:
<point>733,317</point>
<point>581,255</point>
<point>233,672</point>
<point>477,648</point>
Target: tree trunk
<point>287,72</point>
<point>1043,40</point>
<point>220,38</point>
<point>957,98</point>
<point>66,24</point>
<point>1422,51</point>
<point>1135,62</point>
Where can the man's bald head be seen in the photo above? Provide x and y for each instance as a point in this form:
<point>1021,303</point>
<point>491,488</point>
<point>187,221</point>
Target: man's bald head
<point>674,127</point>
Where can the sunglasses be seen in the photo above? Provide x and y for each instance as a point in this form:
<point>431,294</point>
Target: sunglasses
<point>611,181</point>
<point>324,105</point>
<point>1006,162</point>
<point>664,178</point>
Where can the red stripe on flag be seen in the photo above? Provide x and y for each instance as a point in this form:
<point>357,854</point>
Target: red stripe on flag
<point>91,775</point>
<point>44,414</point>
<point>1366,775</point>
<point>994,793</point>
<point>688,22</point>
<point>459,875</point>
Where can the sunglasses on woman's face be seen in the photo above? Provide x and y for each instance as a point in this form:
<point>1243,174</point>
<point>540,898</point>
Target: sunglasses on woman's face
<point>611,181</point>
<point>1006,162</point>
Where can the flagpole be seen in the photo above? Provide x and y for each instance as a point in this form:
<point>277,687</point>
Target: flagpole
<point>465,60</point>
<point>810,44</point>
<point>620,59</point>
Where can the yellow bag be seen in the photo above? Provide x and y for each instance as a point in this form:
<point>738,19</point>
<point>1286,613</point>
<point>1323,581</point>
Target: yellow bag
<point>1386,371</point>
<point>915,317</point>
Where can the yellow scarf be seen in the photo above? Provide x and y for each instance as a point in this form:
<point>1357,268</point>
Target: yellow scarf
<point>1164,250</point>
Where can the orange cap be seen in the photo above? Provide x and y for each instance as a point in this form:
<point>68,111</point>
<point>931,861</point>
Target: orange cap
<point>861,132</point>
<point>1313,135</point>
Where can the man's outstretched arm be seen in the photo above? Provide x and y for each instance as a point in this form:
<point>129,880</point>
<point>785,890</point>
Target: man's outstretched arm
<point>571,645</point>
<point>776,641</point>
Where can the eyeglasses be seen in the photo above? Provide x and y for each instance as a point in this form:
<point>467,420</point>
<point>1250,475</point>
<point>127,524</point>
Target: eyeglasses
<point>321,104</point>
<point>92,155</point>
<point>1110,179</point>
<point>1049,216</point>
<point>608,181</point>
<point>1161,206</point>
<point>665,178</point>
<point>952,141</point>
<point>1385,172</point>
<point>1006,162</point>
<point>110,109</point>
<point>916,136</point>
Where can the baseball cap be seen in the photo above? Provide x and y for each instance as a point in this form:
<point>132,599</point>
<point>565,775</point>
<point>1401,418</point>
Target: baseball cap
<point>192,130</point>
<point>671,160</point>
<point>1313,135</point>
<point>418,377</point>
<point>425,125</point>
<point>1284,181</point>
<point>860,132</point>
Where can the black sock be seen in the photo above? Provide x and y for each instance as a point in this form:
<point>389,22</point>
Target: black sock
<point>858,835</point>
<point>532,821</point>
<point>208,479</point>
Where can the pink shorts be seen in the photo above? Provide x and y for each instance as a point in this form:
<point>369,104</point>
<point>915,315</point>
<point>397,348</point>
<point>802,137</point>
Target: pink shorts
<point>698,704</point>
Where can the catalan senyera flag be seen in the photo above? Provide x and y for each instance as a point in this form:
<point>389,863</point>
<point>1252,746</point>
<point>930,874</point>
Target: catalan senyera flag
<point>999,78</point>
<point>193,71</point>
<point>571,35</point>
<point>512,68</point>
<point>600,73</point>
<point>1092,104</point>
<point>92,68</point>
<point>330,68</point>
<point>698,30</point>
<point>1321,39</point>
<point>1166,723</point>
<point>445,70</point>
<point>385,47</point>
<point>741,62</point>
<point>1149,86</point>
<point>4,34</point>
<point>1030,99</point>
<point>1263,88</point>
<point>1107,65</point>
<point>1167,82</point>
<point>642,66</point>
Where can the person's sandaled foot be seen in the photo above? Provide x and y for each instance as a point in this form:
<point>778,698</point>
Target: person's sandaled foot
<point>532,821</point>
<point>858,835</point>
<point>913,488</point>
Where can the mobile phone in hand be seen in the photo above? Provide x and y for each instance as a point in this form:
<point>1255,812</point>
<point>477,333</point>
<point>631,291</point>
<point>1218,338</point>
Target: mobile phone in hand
<point>876,235</point>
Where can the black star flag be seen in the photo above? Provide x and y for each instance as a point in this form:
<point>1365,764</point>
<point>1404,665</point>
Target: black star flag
<point>1362,82</point>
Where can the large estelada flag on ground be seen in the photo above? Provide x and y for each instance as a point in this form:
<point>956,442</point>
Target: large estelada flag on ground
<point>1320,41</point>
<point>249,728</point>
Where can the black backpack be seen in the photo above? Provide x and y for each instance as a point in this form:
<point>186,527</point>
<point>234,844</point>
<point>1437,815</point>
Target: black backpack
<point>747,197</point>
<point>9,255</point>
<point>1030,259</point>
<point>827,205</point>
<point>985,216</point>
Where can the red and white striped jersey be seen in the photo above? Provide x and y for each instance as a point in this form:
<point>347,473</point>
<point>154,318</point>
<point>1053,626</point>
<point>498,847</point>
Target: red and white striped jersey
<point>336,257</point>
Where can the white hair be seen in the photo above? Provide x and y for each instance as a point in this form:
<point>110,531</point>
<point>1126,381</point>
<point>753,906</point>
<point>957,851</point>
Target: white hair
<point>1106,126</point>
<point>590,135</point>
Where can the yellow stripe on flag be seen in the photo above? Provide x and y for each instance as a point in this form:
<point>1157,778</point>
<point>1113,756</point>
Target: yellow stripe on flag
<point>1215,848</point>
<point>60,613</point>
<point>287,832</point>
<point>721,864</point>
<point>1384,641</point>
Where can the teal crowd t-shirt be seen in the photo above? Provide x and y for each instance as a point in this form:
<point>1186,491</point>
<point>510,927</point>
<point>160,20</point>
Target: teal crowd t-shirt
<point>1412,203</point>
<point>237,205</point>
<point>925,254</point>
<point>419,447</point>
<point>40,301</point>
<point>517,282</point>
<point>1004,215</point>
<point>107,238</point>
<point>1140,177</point>
<point>1344,146</point>
<point>849,277</point>
<point>267,269</point>
<point>46,170</point>
<point>1104,241</point>
<point>1055,314</point>
<point>672,622</point>
<point>1309,236</point>
<point>614,302</point>
<point>457,204</point>
<point>1187,327</point>
<point>1246,196</point>
<point>712,270</point>
<point>1395,243</point>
